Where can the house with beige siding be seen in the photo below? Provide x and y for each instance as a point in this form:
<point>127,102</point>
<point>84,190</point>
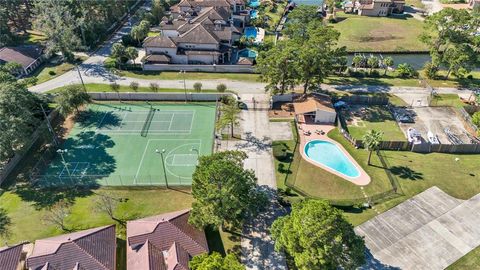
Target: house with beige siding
<point>197,33</point>
<point>376,8</point>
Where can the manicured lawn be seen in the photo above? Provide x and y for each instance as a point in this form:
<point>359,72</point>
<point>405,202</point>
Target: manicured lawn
<point>99,87</point>
<point>49,71</point>
<point>34,37</point>
<point>415,3</point>
<point>381,81</point>
<point>451,100</point>
<point>418,172</point>
<point>157,75</point>
<point>361,33</point>
<point>153,34</point>
<point>414,173</point>
<point>474,82</point>
<point>469,261</point>
<point>27,207</point>
<point>319,183</point>
<point>376,118</point>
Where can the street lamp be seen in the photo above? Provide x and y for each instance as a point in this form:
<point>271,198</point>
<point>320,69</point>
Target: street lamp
<point>196,150</point>
<point>61,152</point>
<point>163,164</point>
<point>184,83</point>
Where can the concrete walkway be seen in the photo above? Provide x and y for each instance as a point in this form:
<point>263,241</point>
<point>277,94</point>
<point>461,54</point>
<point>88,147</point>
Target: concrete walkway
<point>429,231</point>
<point>257,134</point>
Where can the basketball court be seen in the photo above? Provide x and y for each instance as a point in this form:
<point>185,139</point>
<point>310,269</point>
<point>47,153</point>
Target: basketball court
<point>133,144</point>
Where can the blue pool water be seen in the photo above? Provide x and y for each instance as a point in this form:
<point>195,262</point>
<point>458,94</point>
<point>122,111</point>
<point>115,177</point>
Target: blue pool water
<point>328,154</point>
<point>253,13</point>
<point>250,32</point>
<point>254,3</point>
<point>247,53</point>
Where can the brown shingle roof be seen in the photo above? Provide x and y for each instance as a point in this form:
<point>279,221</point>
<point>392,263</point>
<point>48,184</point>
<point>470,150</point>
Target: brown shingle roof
<point>198,34</point>
<point>313,103</point>
<point>88,249</point>
<point>158,58</point>
<point>159,42</point>
<point>164,232</point>
<point>24,55</point>
<point>10,257</point>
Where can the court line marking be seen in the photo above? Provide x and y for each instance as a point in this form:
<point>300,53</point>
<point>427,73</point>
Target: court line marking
<point>121,122</point>
<point>145,151</point>
<point>169,153</point>
<point>171,120</point>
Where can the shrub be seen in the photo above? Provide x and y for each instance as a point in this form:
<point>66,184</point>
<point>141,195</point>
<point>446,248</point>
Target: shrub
<point>430,70</point>
<point>30,80</point>
<point>221,88</point>
<point>197,86</point>
<point>470,77</point>
<point>406,71</point>
<point>134,86</point>
<point>154,87</point>
<point>115,86</point>
<point>279,152</point>
<point>109,63</point>
<point>375,73</point>
<point>51,73</point>
<point>128,40</point>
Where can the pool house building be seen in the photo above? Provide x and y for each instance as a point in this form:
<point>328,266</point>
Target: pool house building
<point>316,108</point>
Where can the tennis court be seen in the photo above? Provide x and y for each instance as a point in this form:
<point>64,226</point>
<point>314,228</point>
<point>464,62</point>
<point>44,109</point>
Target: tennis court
<point>130,144</point>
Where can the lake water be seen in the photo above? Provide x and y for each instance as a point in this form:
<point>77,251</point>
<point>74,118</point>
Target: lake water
<point>416,60</point>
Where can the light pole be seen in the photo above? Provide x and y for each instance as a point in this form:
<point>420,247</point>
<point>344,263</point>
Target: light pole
<point>163,164</point>
<point>61,152</point>
<point>193,149</point>
<point>81,78</point>
<point>184,83</point>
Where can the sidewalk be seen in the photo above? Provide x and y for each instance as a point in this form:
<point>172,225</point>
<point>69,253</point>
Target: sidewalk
<point>256,131</point>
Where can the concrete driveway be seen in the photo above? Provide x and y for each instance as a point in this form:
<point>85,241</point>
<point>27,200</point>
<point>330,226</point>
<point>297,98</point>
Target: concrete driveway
<point>429,231</point>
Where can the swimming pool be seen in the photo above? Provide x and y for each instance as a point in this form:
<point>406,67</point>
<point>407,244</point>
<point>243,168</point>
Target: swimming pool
<point>253,13</point>
<point>247,53</point>
<point>254,3</point>
<point>331,156</point>
<point>250,32</point>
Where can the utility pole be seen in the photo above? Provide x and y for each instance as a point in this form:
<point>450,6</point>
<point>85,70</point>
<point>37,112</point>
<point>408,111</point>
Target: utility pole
<point>81,78</point>
<point>163,165</point>
<point>184,84</point>
<point>61,152</point>
<point>49,125</point>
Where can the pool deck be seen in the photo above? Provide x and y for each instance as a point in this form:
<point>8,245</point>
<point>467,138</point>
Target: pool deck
<point>362,180</point>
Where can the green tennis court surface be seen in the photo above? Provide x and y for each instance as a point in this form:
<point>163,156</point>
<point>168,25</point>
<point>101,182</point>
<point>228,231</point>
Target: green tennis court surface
<point>125,144</point>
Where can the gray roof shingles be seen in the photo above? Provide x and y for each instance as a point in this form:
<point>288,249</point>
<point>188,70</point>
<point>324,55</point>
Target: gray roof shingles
<point>10,257</point>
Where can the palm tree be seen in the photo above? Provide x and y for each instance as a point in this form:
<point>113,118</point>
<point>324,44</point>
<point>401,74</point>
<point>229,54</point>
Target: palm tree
<point>388,62</point>
<point>371,141</point>
<point>372,62</point>
<point>229,115</point>
<point>357,60</point>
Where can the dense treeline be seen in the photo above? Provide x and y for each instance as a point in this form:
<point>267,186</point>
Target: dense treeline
<point>84,23</point>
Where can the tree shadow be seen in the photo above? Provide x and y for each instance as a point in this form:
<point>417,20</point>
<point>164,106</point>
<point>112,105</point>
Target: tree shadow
<point>99,119</point>
<point>88,162</point>
<point>406,173</point>
<point>214,240</point>
<point>373,263</point>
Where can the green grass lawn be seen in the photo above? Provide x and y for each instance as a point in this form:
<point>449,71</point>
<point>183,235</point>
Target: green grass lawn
<point>469,261</point>
<point>376,118</point>
<point>415,3</point>
<point>381,81</point>
<point>453,81</point>
<point>450,100</point>
<point>159,75</point>
<point>392,34</point>
<point>319,183</point>
<point>27,207</point>
<point>34,37</point>
<point>48,71</point>
<point>100,87</point>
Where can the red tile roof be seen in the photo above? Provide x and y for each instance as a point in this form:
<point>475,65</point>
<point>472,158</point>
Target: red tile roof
<point>89,249</point>
<point>170,233</point>
<point>10,257</point>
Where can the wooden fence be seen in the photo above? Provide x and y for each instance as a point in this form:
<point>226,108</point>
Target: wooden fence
<point>466,116</point>
<point>363,100</point>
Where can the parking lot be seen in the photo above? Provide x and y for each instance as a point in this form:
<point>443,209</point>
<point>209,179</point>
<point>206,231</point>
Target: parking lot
<point>436,120</point>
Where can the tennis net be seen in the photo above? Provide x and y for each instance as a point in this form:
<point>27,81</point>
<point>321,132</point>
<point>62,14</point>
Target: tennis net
<point>148,122</point>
